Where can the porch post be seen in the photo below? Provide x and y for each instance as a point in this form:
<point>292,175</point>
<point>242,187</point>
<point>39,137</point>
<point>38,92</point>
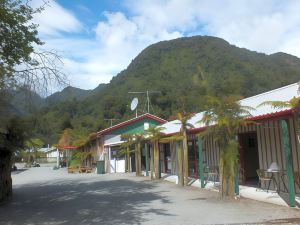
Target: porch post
<point>57,158</point>
<point>68,157</point>
<point>288,161</point>
<point>236,182</point>
<point>236,178</point>
<point>147,159</point>
<point>200,162</point>
<point>159,166</point>
<point>109,158</point>
<point>115,162</point>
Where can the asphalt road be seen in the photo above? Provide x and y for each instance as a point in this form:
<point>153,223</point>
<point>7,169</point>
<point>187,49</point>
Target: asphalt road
<point>45,196</point>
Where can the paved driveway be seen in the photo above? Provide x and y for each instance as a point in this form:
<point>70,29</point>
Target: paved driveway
<point>46,196</point>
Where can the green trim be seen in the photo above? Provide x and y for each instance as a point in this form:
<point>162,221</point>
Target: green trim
<point>288,161</point>
<point>200,162</point>
<point>159,166</point>
<point>236,182</point>
<point>134,128</point>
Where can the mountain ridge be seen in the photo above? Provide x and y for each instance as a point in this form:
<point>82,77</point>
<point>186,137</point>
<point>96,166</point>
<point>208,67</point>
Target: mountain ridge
<point>172,67</point>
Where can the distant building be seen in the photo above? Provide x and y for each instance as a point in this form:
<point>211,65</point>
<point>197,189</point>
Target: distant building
<point>50,155</point>
<point>106,146</point>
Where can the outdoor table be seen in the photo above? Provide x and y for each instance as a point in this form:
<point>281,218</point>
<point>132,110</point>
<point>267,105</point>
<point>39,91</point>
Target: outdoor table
<point>276,175</point>
<point>212,172</point>
<point>83,169</point>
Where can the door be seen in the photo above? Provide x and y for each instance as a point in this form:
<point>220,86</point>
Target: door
<point>166,162</point>
<point>193,156</point>
<point>248,158</point>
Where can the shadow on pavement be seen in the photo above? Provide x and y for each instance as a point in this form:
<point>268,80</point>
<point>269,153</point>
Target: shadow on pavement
<point>285,197</point>
<point>69,202</point>
<point>287,221</point>
<point>18,171</point>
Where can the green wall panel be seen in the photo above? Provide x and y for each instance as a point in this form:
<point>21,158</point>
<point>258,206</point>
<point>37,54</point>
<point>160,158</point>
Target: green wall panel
<point>134,128</point>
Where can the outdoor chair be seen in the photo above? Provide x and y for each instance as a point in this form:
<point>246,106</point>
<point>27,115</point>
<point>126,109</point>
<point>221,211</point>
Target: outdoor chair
<point>72,169</point>
<point>211,173</point>
<point>89,169</point>
<point>296,180</point>
<point>263,176</point>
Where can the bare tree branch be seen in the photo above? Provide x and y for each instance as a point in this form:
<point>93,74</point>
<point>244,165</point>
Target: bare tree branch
<point>43,74</point>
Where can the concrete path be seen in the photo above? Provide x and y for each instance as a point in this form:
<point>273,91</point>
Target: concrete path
<point>45,196</point>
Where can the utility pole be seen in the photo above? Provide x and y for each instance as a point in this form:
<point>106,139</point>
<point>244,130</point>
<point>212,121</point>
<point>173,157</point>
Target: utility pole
<point>148,103</point>
<point>111,121</point>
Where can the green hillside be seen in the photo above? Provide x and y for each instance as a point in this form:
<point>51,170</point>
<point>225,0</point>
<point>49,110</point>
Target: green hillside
<point>67,94</point>
<point>172,67</point>
<point>70,93</point>
<point>22,101</point>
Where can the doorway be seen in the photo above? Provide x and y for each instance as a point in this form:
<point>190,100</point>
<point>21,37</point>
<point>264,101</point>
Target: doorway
<point>166,159</point>
<point>248,158</point>
<point>193,157</point>
<point>117,161</point>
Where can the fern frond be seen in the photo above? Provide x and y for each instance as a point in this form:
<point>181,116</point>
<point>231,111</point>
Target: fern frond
<point>276,104</point>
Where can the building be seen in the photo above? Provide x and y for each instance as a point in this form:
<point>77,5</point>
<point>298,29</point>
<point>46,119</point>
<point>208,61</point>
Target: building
<point>106,146</point>
<point>48,155</point>
<point>261,144</point>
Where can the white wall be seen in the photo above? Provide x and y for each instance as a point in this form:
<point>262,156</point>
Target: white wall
<point>53,153</point>
<point>111,139</point>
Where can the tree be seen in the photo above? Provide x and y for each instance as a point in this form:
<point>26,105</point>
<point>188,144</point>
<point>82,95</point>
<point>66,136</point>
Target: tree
<point>33,144</point>
<point>80,139</point>
<point>65,139</point>
<point>183,118</point>
<point>126,150</point>
<point>78,158</point>
<point>138,138</point>
<point>21,64</point>
<point>177,139</point>
<point>154,135</point>
<point>293,104</point>
<point>224,116</point>
<point>181,139</point>
<point>10,141</point>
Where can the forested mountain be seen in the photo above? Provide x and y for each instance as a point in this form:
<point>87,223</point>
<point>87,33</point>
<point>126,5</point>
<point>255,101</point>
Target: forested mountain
<point>173,68</point>
<point>22,102</point>
<point>71,93</point>
<point>67,94</point>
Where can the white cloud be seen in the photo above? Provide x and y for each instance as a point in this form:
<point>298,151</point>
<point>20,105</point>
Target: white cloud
<point>269,26</point>
<point>108,34</point>
<point>261,26</point>
<point>55,19</point>
<point>165,15</point>
<point>117,41</point>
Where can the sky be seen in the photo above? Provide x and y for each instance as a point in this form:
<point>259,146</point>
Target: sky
<point>97,39</point>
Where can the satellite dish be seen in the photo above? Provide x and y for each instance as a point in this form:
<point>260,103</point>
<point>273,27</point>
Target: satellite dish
<point>134,103</point>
